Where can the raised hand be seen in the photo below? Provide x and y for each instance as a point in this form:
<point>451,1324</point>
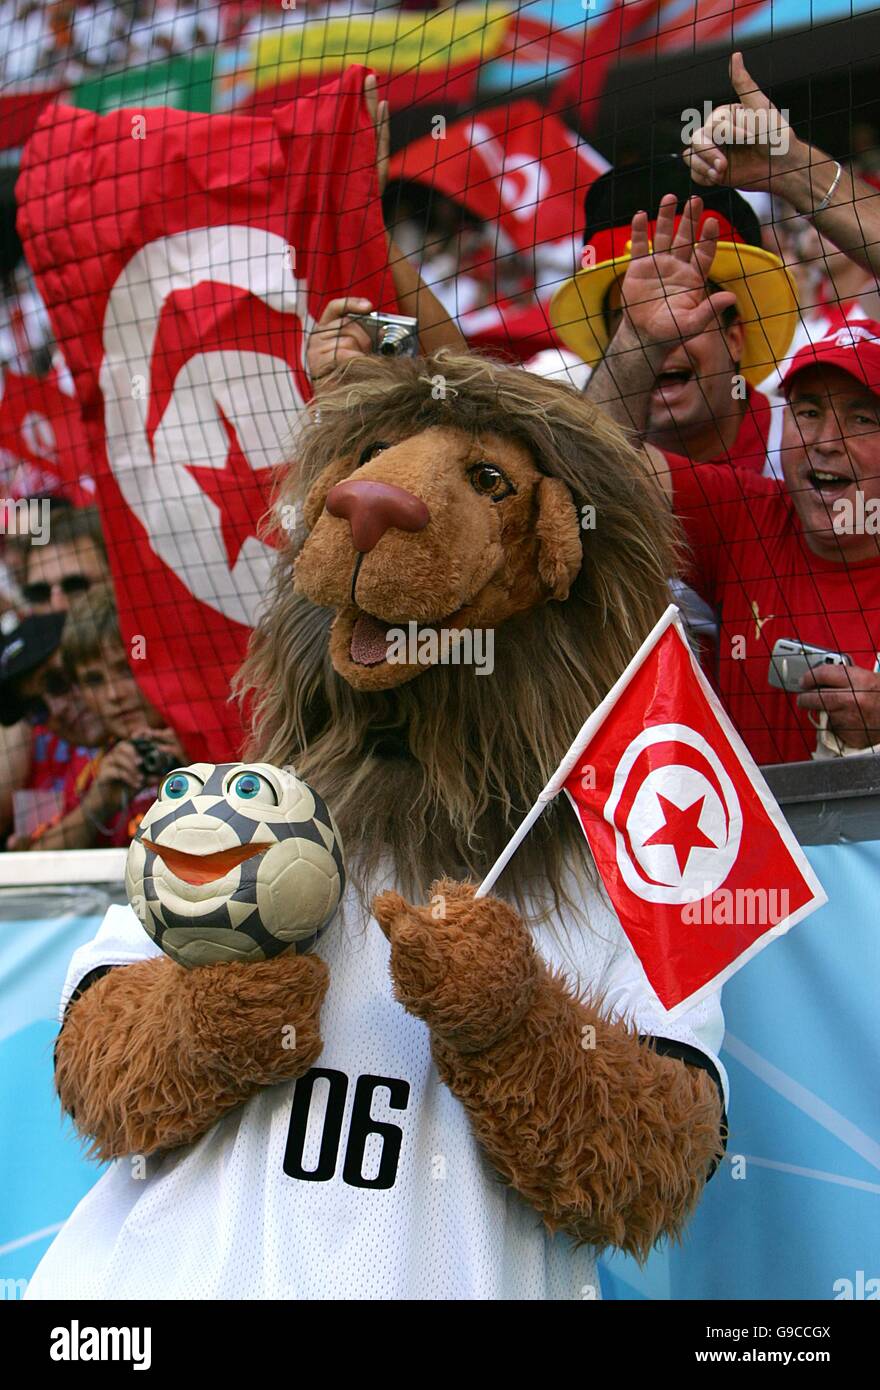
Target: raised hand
<point>744,143</point>
<point>465,965</point>
<point>664,290</point>
<point>380,116</point>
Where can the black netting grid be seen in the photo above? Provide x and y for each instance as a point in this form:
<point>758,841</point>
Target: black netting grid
<point>181,238</point>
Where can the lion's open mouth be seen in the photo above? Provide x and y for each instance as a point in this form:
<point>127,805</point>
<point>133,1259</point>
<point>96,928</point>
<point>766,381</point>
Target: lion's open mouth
<point>374,641</point>
<point>370,640</point>
<point>203,868</point>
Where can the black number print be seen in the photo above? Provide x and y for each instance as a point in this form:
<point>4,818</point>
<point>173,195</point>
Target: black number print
<point>361,1127</point>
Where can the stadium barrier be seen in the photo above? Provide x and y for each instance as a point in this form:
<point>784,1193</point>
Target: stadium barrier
<point>49,905</point>
<point>792,1213</point>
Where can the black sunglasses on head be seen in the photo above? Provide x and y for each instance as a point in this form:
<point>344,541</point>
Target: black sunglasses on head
<point>41,591</point>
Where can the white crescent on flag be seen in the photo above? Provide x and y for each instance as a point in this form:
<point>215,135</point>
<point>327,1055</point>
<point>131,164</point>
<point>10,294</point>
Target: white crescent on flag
<point>230,411</point>
<point>682,824</point>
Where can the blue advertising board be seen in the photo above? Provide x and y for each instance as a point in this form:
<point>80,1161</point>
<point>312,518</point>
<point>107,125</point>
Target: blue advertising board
<point>792,1213</point>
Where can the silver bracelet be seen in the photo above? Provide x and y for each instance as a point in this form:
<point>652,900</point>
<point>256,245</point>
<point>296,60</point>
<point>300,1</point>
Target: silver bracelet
<point>830,194</point>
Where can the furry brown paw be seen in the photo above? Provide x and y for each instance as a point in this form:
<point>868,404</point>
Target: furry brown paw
<point>258,1020</point>
<point>465,965</point>
<point>153,1054</point>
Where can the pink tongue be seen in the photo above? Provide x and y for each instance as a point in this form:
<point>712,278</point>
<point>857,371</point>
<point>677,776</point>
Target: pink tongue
<point>369,642</point>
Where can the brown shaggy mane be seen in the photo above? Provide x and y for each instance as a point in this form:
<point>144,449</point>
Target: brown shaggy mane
<point>438,772</point>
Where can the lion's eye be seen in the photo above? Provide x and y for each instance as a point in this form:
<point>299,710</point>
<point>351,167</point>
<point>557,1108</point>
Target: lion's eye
<point>371,451</point>
<point>489,481</point>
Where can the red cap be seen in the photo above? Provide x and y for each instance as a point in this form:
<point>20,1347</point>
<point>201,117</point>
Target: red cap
<point>855,349</point>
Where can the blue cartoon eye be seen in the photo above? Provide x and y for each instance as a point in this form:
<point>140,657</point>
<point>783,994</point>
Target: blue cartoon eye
<point>176,786</point>
<point>252,786</point>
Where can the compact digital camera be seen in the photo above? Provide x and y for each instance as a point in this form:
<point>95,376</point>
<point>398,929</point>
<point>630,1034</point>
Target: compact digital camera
<point>792,659</point>
<point>154,761</point>
<point>392,335</point>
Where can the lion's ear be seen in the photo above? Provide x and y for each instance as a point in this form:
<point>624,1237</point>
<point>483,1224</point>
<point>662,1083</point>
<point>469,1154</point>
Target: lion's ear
<point>317,493</point>
<point>558,528</point>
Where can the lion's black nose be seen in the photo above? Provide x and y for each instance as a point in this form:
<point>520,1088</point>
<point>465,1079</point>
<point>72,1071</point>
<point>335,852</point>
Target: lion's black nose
<point>372,508</point>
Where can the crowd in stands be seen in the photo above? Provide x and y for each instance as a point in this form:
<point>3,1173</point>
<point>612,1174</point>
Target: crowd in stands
<point>81,749</point>
<point>70,40</point>
<point>754,474</point>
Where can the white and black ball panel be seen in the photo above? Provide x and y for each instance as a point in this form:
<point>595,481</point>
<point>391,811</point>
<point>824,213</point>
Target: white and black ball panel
<point>222,944</point>
<point>135,863</point>
<point>306,879</point>
<point>279,898</point>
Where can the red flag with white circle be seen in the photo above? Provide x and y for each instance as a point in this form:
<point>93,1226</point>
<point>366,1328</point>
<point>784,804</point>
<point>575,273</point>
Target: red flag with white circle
<point>693,850</point>
<point>41,431</point>
<point>696,857</point>
<point>183,258</point>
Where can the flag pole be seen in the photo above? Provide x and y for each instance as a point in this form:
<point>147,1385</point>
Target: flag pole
<point>582,738</point>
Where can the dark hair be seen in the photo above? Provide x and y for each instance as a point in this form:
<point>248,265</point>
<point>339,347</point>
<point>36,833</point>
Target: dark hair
<point>75,524</point>
<point>67,526</point>
<point>91,622</point>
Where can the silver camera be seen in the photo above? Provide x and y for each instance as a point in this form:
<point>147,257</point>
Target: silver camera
<point>791,660</point>
<point>392,335</point>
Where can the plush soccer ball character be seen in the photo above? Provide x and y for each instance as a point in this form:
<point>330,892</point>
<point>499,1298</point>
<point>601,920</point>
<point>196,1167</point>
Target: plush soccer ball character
<point>234,861</point>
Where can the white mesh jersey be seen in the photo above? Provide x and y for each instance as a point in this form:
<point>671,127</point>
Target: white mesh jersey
<point>360,1180</point>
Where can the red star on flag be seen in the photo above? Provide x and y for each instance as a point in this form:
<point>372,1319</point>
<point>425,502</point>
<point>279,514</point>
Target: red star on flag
<point>237,491</point>
<point>681,829</point>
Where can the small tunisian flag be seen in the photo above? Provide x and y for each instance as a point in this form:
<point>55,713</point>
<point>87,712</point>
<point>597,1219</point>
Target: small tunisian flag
<point>40,427</point>
<point>694,852</point>
<point>183,259</point>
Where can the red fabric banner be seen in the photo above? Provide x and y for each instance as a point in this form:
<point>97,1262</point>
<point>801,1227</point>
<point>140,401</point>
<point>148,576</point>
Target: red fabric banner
<point>512,165</point>
<point>183,257</point>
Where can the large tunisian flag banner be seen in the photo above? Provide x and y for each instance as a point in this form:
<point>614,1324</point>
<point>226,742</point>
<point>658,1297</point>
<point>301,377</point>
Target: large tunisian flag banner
<point>183,258</point>
<point>694,852</point>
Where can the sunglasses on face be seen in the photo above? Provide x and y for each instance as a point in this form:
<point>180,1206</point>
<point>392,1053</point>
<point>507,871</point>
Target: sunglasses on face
<point>41,592</point>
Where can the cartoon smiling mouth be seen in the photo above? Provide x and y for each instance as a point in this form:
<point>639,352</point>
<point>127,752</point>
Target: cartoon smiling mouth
<point>203,868</point>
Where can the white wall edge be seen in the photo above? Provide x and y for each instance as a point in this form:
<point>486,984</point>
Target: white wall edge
<point>62,868</point>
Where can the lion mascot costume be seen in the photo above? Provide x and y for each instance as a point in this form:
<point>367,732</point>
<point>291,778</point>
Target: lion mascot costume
<point>483,1093</point>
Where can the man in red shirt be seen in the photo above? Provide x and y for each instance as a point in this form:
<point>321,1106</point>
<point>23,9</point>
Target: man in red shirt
<point>703,402</point>
<point>798,559</point>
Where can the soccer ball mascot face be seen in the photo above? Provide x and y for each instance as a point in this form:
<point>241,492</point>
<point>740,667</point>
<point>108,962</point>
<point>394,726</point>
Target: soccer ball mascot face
<point>234,862</point>
<point>469,557</point>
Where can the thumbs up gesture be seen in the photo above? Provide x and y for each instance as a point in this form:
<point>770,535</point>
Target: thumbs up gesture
<point>746,143</point>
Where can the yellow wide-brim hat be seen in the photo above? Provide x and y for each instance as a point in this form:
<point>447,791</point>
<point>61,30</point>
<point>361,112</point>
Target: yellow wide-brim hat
<point>766,297</point>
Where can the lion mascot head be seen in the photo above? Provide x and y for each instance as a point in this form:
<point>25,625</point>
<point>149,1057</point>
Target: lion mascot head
<point>437,511</point>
